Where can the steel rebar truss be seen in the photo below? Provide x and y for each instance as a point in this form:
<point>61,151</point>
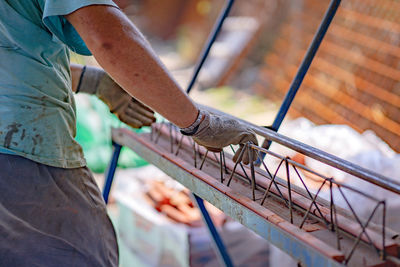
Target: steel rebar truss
<point>338,233</point>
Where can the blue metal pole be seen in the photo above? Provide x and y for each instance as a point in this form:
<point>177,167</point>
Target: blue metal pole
<point>111,171</point>
<point>210,42</point>
<point>302,71</point>
<point>219,245</point>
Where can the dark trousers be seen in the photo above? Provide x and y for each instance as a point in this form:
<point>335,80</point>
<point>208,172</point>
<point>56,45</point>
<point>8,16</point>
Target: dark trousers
<point>52,217</point>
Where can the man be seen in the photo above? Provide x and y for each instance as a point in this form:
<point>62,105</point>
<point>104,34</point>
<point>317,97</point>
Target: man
<point>51,212</point>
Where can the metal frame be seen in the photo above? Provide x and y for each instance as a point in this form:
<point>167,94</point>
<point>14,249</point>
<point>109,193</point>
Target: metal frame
<point>260,220</point>
<point>252,215</point>
<point>179,157</point>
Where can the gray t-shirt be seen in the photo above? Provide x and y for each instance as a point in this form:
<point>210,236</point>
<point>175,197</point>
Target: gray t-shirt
<point>37,107</point>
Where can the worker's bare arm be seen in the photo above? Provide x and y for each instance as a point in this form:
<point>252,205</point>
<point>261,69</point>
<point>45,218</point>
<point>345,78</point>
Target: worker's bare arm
<point>76,71</point>
<point>124,53</point>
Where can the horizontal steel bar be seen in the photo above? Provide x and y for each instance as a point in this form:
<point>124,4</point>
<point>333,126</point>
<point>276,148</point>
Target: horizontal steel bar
<point>319,155</point>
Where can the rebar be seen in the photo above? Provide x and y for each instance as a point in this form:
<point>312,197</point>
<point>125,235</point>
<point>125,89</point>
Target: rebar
<point>249,148</point>
<point>289,191</point>
<point>363,231</point>
<point>237,162</point>
<point>270,184</point>
<point>241,165</point>
<point>253,176</point>
<point>313,200</point>
<point>221,166</point>
<point>203,160</point>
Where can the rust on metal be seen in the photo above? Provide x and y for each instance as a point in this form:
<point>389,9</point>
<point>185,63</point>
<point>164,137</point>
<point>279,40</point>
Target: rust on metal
<point>291,208</point>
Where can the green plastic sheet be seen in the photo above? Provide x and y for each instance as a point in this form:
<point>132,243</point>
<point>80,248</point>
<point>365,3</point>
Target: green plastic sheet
<point>94,123</point>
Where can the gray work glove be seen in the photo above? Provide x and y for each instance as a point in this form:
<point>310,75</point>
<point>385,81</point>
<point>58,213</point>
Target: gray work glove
<point>128,109</point>
<point>217,131</point>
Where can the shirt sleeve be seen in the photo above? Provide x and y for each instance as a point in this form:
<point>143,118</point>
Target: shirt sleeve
<point>53,19</point>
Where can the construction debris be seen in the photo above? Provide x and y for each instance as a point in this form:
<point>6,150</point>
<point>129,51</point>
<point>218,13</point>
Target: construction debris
<point>178,206</point>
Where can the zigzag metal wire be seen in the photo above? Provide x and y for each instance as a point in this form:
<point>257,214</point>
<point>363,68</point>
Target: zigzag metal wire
<point>331,224</point>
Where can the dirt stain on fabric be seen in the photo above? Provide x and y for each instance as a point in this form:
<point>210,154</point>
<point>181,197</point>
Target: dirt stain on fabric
<point>13,128</point>
<point>23,134</point>
<point>38,139</point>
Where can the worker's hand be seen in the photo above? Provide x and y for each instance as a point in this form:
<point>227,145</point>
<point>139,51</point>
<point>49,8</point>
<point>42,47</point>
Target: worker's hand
<point>128,109</point>
<point>217,131</point>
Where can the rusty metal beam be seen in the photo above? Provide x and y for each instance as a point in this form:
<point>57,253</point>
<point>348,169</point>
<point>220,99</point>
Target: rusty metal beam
<point>302,246</point>
<point>318,223</point>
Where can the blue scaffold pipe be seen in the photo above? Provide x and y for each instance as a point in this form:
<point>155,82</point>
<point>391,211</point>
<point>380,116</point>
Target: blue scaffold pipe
<point>209,44</point>
<point>219,245</point>
<point>302,71</point>
<point>111,171</point>
<point>217,241</point>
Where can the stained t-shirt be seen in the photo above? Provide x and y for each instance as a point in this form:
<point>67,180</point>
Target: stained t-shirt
<point>37,107</point>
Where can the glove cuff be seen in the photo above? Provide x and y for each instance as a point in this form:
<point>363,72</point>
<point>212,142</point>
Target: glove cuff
<point>89,80</point>
<point>192,129</point>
